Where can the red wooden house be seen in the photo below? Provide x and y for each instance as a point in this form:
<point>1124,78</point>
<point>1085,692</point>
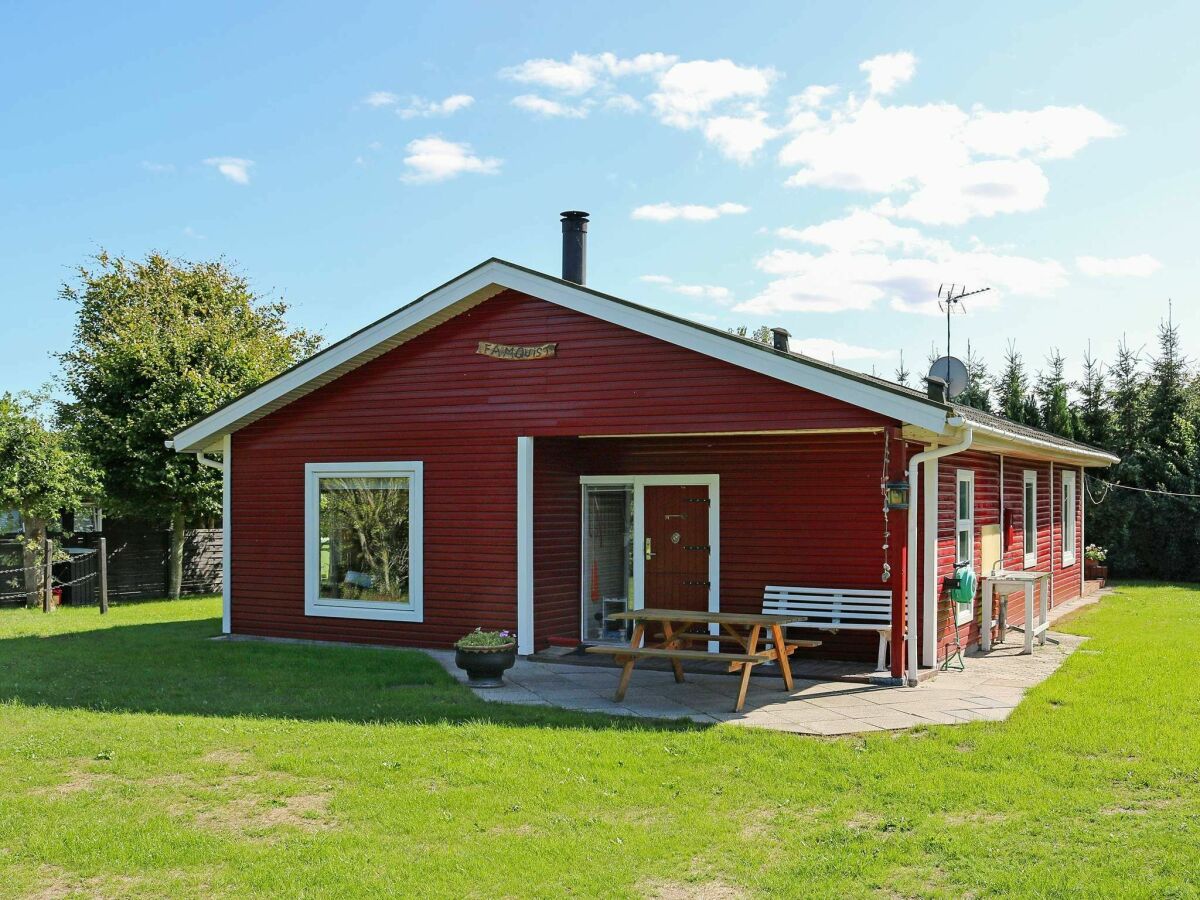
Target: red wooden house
<point>517,450</point>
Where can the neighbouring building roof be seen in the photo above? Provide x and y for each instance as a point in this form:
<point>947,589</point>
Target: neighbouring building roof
<point>495,275</point>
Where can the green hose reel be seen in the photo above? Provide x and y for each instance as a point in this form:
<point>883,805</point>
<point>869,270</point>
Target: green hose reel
<point>962,586</point>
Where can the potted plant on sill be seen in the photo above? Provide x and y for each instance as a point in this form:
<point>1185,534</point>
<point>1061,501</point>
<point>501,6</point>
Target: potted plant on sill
<point>1094,558</point>
<point>485,656</point>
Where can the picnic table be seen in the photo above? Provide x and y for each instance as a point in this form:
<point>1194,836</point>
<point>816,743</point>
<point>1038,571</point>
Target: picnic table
<point>742,632</point>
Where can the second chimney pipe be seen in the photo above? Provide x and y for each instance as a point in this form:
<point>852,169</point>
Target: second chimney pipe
<point>574,246</point>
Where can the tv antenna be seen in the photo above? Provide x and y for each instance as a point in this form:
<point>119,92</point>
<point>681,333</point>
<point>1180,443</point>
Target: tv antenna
<point>950,298</point>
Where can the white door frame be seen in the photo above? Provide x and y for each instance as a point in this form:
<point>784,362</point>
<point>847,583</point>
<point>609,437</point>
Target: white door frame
<point>639,484</point>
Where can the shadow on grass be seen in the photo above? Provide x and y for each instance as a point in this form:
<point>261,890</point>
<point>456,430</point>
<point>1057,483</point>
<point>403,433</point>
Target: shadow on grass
<point>175,668</point>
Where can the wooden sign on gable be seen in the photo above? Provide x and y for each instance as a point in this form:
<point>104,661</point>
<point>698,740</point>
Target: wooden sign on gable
<point>513,351</point>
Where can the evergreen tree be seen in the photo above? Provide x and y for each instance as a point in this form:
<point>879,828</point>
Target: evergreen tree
<point>1126,401</point>
<point>978,393</point>
<point>1012,386</point>
<point>1053,401</point>
<point>902,372</point>
<point>1092,417</point>
<point>1031,413</point>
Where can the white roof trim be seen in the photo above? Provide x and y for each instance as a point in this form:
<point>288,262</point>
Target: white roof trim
<point>490,278</point>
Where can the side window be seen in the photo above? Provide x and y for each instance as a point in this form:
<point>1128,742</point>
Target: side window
<point>964,533</point>
<point>1069,518</point>
<point>1029,517</point>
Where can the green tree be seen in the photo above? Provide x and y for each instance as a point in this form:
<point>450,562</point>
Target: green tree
<point>762,333</point>
<point>42,473</point>
<point>1054,403</point>
<point>979,392</point>
<point>902,372</point>
<point>1126,401</point>
<point>158,344</point>
<point>1012,387</point>
<point>1093,416</point>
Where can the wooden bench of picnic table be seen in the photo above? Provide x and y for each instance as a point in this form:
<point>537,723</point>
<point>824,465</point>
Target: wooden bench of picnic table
<point>741,629</point>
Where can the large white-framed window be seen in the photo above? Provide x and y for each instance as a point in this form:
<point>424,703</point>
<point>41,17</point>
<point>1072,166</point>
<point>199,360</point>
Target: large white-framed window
<point>363,539</point>
<point>964,533</point>
<point>1029,517</point>
<point>1069,518</point>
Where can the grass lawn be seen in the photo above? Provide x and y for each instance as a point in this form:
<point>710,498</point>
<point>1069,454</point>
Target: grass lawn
<point>140,758</point>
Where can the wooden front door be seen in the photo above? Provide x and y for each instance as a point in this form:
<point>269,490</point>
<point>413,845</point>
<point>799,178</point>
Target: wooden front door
<point>676,546</point>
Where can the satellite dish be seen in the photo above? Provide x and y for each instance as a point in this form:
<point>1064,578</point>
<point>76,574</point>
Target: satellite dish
<point>951,370</point>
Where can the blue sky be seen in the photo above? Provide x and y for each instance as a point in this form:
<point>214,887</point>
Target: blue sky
<point>821,166</point>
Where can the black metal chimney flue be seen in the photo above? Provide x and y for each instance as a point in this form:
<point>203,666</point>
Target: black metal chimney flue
<point>574,261</point>
<point>779,339</point>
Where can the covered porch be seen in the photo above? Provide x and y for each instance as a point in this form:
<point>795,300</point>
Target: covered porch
<point>610,523</point>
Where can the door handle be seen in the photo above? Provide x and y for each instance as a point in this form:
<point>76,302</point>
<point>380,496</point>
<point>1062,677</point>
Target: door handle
<point>650,554</point>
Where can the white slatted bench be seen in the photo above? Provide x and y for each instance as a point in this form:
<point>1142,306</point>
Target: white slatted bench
<point>836,609</point>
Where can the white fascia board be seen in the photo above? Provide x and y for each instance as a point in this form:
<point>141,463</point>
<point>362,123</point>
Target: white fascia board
<point>203,433</point>
<point>206,433</point>
<point>1002,441</point>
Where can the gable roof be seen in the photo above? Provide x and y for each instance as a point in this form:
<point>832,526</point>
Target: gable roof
<point>494,276</point>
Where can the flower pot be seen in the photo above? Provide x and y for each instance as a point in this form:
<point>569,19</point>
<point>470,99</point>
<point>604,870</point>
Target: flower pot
<point>485,666</point>
<point>1095,571</point>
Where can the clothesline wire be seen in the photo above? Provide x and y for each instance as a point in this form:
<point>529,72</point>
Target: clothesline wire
<point>1109,485</point>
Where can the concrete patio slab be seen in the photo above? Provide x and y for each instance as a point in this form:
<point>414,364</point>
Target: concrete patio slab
<point>989,688</point>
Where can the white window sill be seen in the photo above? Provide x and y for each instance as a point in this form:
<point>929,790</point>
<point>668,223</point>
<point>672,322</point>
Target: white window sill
<point>380,613</point>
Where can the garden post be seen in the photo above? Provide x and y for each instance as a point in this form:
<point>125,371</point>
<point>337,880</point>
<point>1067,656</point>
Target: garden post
<point>103,563</point>
<point>48,577</point>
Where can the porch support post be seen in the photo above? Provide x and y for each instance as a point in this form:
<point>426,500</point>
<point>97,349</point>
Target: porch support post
<point>525,545</point>
<point>929,594</point>
<point>227,535</point>
<point>900,555</point>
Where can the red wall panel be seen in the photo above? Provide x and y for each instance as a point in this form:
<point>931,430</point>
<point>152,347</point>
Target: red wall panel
<point>1066,580</point>
<point>435,400</point>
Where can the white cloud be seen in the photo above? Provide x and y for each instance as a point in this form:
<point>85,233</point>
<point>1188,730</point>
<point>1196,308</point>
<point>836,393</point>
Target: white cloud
<point>381,98</point>
<point>811,97</point>
<point>690,212</point>
<point>835,351</point>
<point>583,72</point>
<point>739,137</point>
<point>689,90</point>
<point>420,108</point>
<point>622,103</point>
<point>234,168</point>
<point>942,164</point>
<point>865,259</point>
<point>1140,266</point>
<point>888,71</point>
<point>433,159</point>
<point>717,97</point>
<point>549,108</point>
<point>862,231</point>
<point>1053,132</point>
<point>706,291</point>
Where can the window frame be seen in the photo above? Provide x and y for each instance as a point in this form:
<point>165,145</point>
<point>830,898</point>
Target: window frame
<point>316,605</point>
<point>964,613</point>
<point>92,511</point>
<point>1071,501</point>
<point>1029,517</point>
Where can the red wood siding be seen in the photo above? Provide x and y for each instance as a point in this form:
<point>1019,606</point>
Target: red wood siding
<point>436,400</point>
<point>986,466</point>
<point>794,509</point>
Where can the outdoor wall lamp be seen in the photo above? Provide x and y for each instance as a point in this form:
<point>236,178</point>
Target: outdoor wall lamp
<point>896,493</point>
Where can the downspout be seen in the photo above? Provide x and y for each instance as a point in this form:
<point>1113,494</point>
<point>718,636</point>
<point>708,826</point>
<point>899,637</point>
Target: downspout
<point>911,588</point>
<point>211,463</point>
<point>200,457</point>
